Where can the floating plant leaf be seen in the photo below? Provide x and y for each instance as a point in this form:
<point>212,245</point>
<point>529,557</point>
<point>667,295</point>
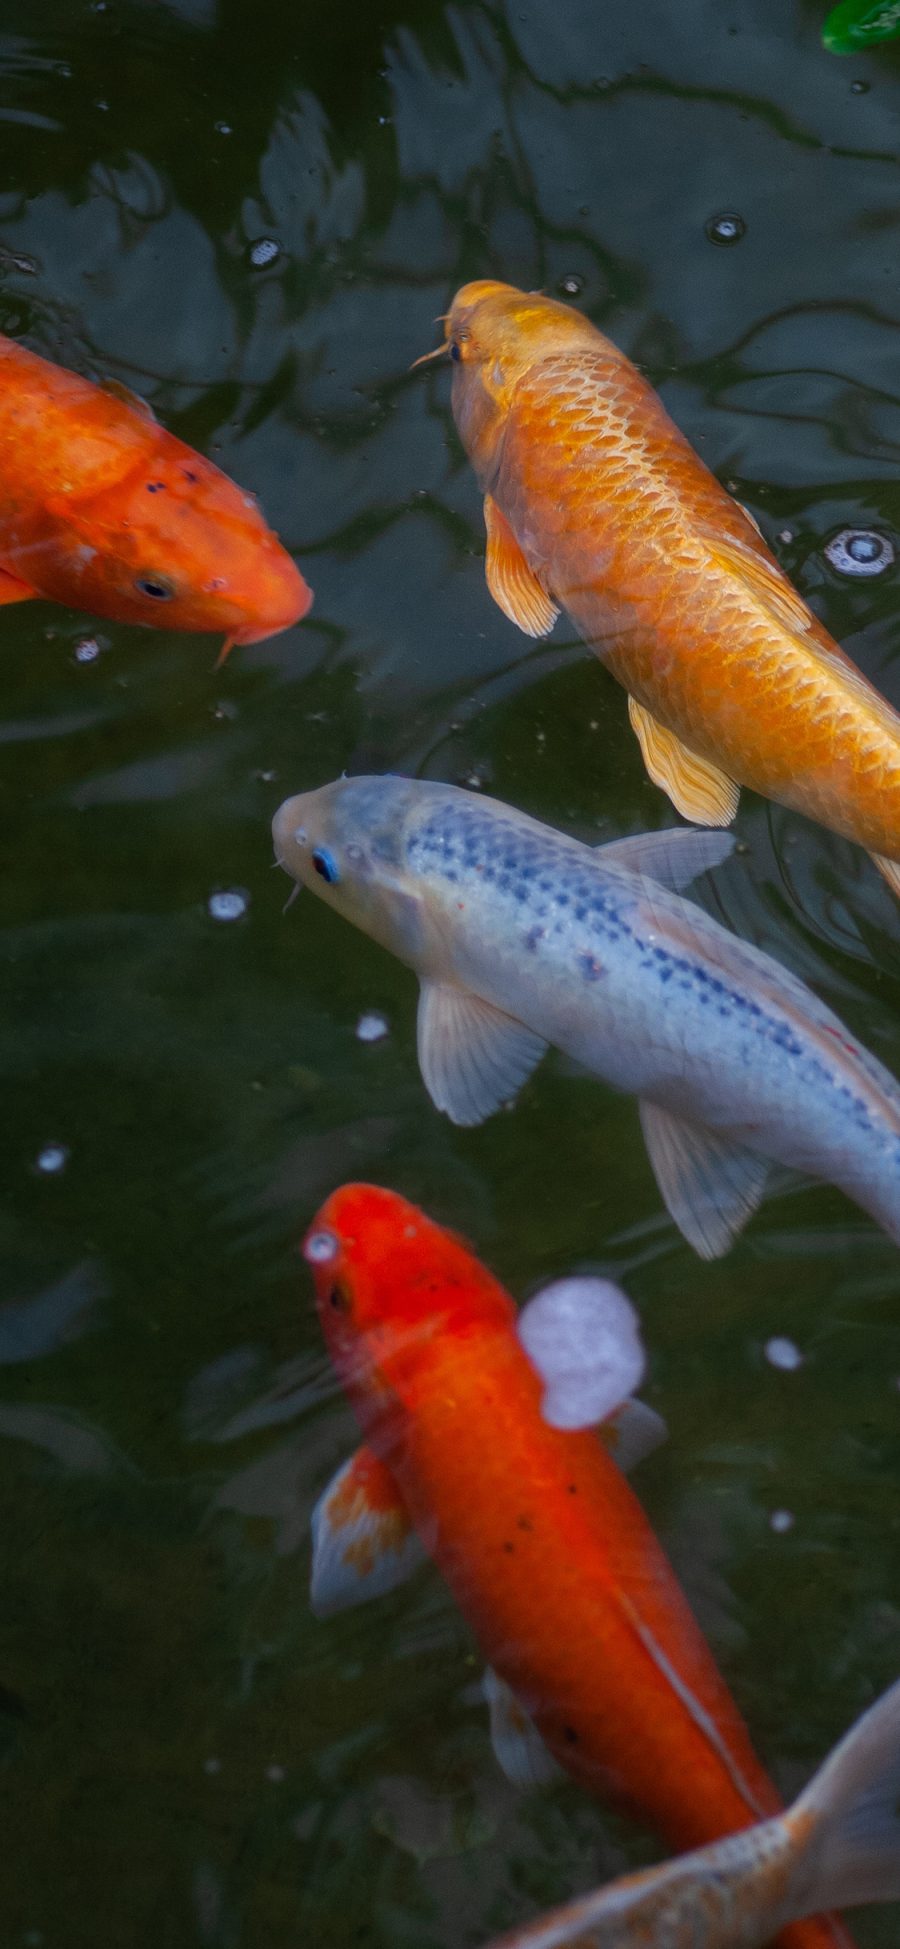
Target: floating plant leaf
<point>857,24</point>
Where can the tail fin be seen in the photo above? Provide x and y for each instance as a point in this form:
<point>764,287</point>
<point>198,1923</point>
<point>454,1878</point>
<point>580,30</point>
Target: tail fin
<point>853,1855</point>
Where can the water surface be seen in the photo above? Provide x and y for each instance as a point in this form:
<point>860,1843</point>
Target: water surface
<point>187,1757</point>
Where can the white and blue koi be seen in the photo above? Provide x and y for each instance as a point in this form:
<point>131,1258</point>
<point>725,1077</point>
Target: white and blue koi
<point>523,937</point>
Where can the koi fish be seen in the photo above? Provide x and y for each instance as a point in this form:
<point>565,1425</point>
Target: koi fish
<point>838,1846</point>
<point>858,24</point>
<point>595,503</point>
<point>480,1451</point>
<point>102,509</point>
<point>522,937</point>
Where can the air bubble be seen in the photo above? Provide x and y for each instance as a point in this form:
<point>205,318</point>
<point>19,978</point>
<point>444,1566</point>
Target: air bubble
<point>223,128</point>
<point>783,1354</point>
<point>372,1027</point>
<point>51,1160</point>
<point>230,903</point>
<point>88,650</point>
<point>860,551</point>
<point>726,228</point>
<point>781,1520</point>
<point>572,285</point>
<point>264,251</point>
<point>860,87</point>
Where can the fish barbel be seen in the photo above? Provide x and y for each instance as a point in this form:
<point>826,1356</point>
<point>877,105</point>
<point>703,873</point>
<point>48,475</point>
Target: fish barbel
<point>102,509</point>
<point>595,503</point>
<point>522,937</point>
<point>485,1438</point>
<point>837,1847</point>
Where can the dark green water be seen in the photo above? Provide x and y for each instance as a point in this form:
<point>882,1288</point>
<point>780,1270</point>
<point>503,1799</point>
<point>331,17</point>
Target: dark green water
<point>187,1758</point>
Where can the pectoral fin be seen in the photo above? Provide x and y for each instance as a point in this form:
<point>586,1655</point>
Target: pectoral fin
<point>14,590</point>
<point>631,1433</point>
<point>472,1056</point>
<point>583,1337</point>
<point>363,1543</point>
<point>889,870</point>
<point>697,789</point>
<point>767,582</point>
<point>518,1746</point>
<point>673,858</point>
<point>118,390</point>
<point>709,1184</point>
<point>513,585</point>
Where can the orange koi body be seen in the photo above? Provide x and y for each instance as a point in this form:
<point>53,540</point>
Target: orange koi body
<point>595,502</point>
<point>545,1547</point>
<point>102,509</point>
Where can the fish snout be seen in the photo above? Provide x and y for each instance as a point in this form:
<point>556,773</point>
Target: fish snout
<point>280,598</point>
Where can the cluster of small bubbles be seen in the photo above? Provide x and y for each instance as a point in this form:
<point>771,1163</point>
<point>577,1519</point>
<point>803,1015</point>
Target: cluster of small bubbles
<point>783,1354</point>
<point>781,1520</point>
<point>726,228</point>
<point>860,551</point>
<point>230,903</point>
<point>572,285</point>
<point>51,1159</point>
<point>263,251</point>
<point>371,1027</point>
<point>88,650</point>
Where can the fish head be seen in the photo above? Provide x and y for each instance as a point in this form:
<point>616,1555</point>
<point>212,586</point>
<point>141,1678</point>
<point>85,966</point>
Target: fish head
<point>494,333</point>
<point>174,544</point>
<point>345,842</point>
<point>389,1281</point>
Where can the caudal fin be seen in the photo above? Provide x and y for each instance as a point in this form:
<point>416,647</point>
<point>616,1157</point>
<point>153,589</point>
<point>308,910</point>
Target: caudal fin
<point>853,1854</point>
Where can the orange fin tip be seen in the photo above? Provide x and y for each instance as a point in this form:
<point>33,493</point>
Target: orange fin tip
<point>697,789</point>
<point>513,585</point>
<point>363,1543</point>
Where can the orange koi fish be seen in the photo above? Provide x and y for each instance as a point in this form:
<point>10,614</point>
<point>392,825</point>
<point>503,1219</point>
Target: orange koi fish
<point>838,1844</point>
<point>102,509</point>
<point>596,504</point>
<point>481,1448</point>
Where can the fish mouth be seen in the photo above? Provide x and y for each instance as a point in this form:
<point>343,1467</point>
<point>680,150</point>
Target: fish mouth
<point>293,606</point>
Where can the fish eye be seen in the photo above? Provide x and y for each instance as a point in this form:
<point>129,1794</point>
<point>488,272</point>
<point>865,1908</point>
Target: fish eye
<point>325,865</point>
<point>155,586</point>
<point>455,351</point>
<point>320,1248</point>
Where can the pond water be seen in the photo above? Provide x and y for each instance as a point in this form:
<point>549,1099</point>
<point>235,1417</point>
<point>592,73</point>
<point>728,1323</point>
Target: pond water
<point>252,215</point>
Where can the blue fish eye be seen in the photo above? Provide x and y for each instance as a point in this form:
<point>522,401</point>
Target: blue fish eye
<point>455,351</point>
<point>326,865</point>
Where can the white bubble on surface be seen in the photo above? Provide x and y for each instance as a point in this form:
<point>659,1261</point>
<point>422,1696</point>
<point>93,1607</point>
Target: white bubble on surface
<point>372,1027</point>
<point>51,1159</point>
<point>230,903</point>
<point>783,1354</point>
